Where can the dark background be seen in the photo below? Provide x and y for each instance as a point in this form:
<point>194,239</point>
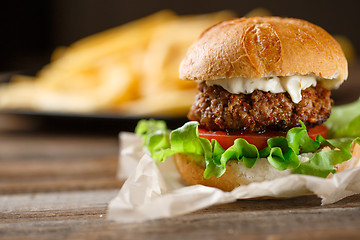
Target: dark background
<point>30,30</point>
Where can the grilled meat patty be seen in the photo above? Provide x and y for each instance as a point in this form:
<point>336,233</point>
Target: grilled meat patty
<point>217,109</point>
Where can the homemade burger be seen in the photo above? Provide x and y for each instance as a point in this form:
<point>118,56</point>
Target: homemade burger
<point>264,91</point>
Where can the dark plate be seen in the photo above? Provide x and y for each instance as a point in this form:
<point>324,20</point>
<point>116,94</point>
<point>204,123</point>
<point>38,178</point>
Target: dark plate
<point>86,123</point>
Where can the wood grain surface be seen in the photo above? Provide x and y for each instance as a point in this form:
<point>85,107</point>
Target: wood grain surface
<point>57,186</point>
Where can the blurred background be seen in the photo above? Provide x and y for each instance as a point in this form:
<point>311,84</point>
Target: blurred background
<point>31,30</point>
<point>130,72</point>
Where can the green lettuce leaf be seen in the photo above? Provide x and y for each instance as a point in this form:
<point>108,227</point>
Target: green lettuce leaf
<point>323,162</point>
<point>146,127</point>
<point>186,140</point>
<point>213,163</point>
<point>281,155</point>
<point>299,140</point>
<point>241,151</point>
<point>155,136</point>
<point>281,152</point>
<point>344,121</point>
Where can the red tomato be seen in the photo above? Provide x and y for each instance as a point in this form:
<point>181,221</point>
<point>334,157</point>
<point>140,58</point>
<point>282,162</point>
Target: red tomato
<point>226,139</point>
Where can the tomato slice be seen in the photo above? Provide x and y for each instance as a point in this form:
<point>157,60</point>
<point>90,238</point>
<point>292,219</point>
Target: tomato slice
<point>226,139</point>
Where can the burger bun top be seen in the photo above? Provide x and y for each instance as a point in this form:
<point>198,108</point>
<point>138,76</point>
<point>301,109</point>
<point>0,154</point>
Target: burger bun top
<point>261,47</point>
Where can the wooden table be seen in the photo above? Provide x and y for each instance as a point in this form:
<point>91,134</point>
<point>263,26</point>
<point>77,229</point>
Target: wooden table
<point>57,185</point>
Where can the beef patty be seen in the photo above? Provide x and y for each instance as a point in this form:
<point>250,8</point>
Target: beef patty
<point>217,109</point>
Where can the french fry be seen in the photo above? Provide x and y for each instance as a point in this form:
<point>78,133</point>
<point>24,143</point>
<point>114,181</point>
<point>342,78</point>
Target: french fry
<point>113,91</point>
<point>168,47</point>
<point>85,52</point>
<point>21,78</point>
<point>119,35</point>
<point>347,46</point>
<point>258,12</point>
<point>58,53</point>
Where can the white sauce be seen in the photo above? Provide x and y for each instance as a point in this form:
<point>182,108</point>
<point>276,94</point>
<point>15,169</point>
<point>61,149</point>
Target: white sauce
<point>291,84</point>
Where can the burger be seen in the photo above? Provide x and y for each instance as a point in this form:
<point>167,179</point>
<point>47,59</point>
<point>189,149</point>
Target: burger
<point>263,95</point>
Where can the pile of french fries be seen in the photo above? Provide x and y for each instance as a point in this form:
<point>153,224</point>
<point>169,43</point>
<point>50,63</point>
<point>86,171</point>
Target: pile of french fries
<point>129,70</point>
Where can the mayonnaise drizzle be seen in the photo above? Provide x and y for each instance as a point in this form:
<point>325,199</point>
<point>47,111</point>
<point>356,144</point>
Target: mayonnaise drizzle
<point>291,84</point>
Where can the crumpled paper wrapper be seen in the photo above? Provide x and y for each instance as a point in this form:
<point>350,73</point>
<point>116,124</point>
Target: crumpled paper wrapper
<point>154,191</point>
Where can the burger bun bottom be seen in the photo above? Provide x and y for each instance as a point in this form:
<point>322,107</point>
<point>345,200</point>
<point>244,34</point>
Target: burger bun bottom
<point>237,174</point>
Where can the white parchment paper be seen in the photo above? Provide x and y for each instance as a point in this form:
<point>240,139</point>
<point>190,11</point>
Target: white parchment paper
<point>154,191</point>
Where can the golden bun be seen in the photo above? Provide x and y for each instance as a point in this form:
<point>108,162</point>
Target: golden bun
<point>263,47</point>
<point>237,174</point>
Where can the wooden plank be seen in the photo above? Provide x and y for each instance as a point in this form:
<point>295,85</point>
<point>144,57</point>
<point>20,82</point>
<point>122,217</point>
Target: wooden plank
<point>41,163</point>
<point>58,185</point>
<point>30,146</point>
<point>62,167</point>
<point>249,219</point>
<point>56,201</point>
<point>43,175</point>
<point>24,169</point>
